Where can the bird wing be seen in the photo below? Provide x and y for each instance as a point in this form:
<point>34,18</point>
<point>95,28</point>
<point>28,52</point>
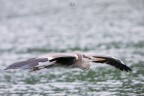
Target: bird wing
<point>27,64</point>
<point>111,61</point>
<point>34,62</point>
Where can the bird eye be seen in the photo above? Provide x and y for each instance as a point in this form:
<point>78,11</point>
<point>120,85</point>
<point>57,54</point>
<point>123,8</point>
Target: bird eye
<point>86,56</point>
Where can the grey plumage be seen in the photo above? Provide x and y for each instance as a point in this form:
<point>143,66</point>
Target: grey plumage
<point>67,60</point>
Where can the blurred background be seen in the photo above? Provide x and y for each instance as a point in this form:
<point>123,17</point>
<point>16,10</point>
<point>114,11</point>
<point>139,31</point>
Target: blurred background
<point>29,28</point>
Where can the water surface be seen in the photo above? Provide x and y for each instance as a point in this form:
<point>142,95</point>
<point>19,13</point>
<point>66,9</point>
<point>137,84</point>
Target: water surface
<point>30,28</point>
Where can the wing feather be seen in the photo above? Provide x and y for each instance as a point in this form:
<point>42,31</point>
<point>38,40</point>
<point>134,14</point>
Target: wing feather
<point>27,64</point>
<point>34,62</point>
<point>112,61</point>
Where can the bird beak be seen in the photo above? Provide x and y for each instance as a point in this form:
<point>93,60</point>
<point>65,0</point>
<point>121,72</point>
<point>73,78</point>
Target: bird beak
<point>94,59</point>
<point>97,59</point>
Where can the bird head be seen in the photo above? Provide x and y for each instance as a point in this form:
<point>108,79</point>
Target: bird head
<point>93,59</point>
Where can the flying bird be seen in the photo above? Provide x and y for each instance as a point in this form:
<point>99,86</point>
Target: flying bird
<point>67,60</point>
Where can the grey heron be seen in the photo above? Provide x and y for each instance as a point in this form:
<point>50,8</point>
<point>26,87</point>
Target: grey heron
<point>67,60</point>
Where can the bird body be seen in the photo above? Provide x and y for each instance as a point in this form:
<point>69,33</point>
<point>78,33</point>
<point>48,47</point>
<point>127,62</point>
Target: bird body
<point>67,60</point>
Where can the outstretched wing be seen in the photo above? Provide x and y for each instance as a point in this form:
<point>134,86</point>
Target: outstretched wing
<point>111,61</point>
<point>27,64</point>
<point>37,63</point>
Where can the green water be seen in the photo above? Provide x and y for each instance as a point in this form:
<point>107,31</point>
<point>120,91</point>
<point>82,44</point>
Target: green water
<point>106,27</point>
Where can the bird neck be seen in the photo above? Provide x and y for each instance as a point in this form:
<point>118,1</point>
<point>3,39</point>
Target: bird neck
<point>79,55</point>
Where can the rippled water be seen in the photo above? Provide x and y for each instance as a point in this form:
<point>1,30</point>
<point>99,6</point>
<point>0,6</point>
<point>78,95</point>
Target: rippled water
<point>108,27</point>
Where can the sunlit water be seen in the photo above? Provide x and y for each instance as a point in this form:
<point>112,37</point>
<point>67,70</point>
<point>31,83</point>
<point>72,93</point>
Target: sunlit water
<point>30,28</point>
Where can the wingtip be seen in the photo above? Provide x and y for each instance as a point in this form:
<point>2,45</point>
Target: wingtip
<point>127,69</point>
<point>122,66</point>
<point>6,68</point>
